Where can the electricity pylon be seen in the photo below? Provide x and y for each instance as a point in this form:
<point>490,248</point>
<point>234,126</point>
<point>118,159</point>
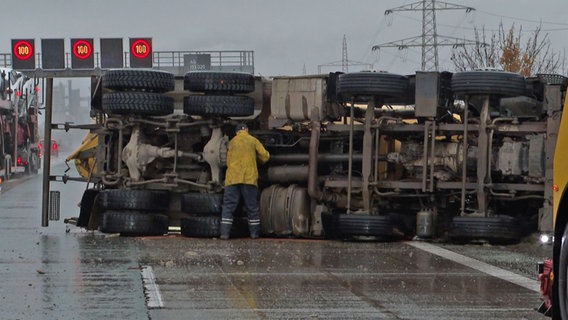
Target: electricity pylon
<point>345,62</point>
<point>430,40</point>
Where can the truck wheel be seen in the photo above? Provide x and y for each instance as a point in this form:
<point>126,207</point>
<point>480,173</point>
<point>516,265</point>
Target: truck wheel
<point>495,229</point>
<point>221,106</point>
<point>561,283</point>
<point>209,226</point>
<point>138,103</point>
<point>488,82</point>
<point>354,226</point>
<point>33,164</point>
<point>202,203</point>
<point>132,223</point>
<point>372,84</point>
<point>218,82</point>
<point>128,199</point>
<point>7,170</point>
<point>144,80</point>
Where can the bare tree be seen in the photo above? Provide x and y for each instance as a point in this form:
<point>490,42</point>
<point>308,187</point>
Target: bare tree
<point>505,50</point>
<point>483,55</point>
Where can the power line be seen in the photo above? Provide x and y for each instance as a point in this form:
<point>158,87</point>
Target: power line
<point>486,29</point>
<point>377,32</point>
<point>522,19</point>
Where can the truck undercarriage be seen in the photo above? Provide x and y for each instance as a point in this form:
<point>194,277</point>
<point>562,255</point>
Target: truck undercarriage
<point>367,155</point>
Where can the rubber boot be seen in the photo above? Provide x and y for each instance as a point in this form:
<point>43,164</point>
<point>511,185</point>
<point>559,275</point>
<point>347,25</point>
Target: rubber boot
<point>225,231</point>
<point>254,231</point>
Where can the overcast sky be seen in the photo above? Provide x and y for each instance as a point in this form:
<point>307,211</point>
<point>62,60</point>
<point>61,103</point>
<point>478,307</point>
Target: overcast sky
<point>285,35</point>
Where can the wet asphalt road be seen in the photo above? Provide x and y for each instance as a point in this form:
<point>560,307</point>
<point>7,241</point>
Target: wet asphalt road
<point>47,273</point>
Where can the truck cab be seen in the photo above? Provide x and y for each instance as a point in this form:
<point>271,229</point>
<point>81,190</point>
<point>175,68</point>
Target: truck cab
<point>553,273</point>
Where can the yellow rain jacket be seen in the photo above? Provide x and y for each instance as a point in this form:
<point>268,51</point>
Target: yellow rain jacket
<point>242,153</point>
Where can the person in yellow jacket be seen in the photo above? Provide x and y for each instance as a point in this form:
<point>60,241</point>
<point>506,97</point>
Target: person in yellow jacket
<point>241,179</point>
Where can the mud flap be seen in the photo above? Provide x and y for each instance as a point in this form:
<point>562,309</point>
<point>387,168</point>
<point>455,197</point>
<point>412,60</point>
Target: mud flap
<point>87,204</point>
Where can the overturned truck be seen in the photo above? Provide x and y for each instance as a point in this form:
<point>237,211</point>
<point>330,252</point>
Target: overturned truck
<point>368,155</point>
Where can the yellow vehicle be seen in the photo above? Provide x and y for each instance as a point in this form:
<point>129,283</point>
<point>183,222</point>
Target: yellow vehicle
<point>553,273</point>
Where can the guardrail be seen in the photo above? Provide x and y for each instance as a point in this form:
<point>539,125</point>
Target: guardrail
<point>177,62</point>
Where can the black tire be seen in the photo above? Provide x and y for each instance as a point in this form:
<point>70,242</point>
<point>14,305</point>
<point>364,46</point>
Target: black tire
<point>143,80</point>
<point>219,82</point>
<point>138,103</point>
<point>35,163</point>
<point>128,199</point>
<point>495,229</point>
<point>220,106</point>
<point>132,223</point>
<point>350,225</point>
<point>3,91</point>
<point>32,168</point>
<point>372,84</point>
<point>5,177</point>
<point>86,207</point>
<point>488,83</point>
<point>209,226</point>
<point>202,203</point>
<point>560,302</point>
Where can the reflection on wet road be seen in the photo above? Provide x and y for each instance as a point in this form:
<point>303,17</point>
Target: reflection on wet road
<point>284,279</point>
<point>47,273</point>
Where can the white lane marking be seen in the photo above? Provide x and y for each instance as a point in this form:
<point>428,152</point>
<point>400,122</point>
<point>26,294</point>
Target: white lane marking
<point>478,265</point>
<point>151,288</point>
